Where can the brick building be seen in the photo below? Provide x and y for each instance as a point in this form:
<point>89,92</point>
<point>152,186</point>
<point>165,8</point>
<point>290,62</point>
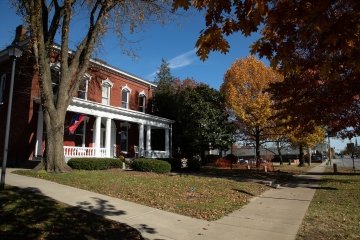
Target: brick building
<point>114,106</point>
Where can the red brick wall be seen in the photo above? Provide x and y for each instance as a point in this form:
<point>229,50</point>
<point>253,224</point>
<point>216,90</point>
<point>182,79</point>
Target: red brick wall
<point>25,109</point>
<point>24,112</point>
<point>95,88</point>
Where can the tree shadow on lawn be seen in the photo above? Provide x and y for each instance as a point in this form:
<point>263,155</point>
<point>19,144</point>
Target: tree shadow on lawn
<point>283,178</point>
<point>244,175</point>
<point>26,214</point>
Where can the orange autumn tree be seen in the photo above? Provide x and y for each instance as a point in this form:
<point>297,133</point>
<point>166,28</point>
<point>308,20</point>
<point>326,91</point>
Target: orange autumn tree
<point>306,139</point>
<point>245,89</point>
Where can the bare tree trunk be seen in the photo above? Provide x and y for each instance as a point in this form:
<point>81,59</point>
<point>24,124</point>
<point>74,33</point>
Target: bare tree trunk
<point>54,160</point>
<point>279,153</point>
<point>309,151</point>
<point>301,156</point>
<point>257,146</point>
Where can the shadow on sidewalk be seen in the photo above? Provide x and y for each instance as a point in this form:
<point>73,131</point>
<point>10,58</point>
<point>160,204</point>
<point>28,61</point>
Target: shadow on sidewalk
<point>27,214</point>
<point>102,208</point>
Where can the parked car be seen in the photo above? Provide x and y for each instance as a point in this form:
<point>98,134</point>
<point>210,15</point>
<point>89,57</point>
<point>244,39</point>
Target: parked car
<point>316,158</point>
<point>243,161</point>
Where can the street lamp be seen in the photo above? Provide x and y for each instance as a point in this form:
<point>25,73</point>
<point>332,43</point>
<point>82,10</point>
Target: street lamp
<point>14,51</point>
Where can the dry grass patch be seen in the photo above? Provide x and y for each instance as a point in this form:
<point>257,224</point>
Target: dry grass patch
<point>207,198</point>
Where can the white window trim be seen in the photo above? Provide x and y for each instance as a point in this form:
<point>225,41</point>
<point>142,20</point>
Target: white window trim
<point>128,95</point>
<point>111,84</point>
<point>142,94</point>
<point>87,79</point>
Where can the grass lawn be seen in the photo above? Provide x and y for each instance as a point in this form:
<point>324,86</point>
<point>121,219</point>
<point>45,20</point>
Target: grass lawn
<point>25,214</point>
<point>334,212</point>
<point>199,196</point>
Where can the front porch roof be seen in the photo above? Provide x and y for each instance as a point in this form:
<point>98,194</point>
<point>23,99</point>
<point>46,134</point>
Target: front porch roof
<point>96,109</point>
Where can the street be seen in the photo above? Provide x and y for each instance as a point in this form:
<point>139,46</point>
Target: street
<point>347,162</point>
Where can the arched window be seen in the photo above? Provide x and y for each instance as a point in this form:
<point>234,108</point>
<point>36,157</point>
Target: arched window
<point>142,102</point>
<point>125,95</point>
<point>83,88</point>
<point>106,86</point>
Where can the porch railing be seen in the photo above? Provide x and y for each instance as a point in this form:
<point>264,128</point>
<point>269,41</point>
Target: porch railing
<point>73,152</point>
<point>156,154</point>
<point>70,151</point>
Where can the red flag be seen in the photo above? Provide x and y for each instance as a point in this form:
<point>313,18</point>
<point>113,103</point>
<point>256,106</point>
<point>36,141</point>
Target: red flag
<point>76,121</point>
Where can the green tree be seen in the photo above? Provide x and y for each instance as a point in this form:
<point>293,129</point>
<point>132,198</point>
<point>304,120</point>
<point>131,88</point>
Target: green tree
<point>164,78</point>
<point>46,20</point>
<point>164,93</point>
<point>200,116</point>
<point>203,120</point>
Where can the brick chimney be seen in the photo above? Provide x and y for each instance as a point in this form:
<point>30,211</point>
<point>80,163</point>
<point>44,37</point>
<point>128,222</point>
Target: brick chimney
<point>20,34</point>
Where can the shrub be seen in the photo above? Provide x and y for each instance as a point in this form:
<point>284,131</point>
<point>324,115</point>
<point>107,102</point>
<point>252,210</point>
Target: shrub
<point>121,158</point>
<point>232,158</point>
<point>222,163</point>
<point>151,165</point>
<point>194,163</point>
<point>94,163</point>
<point>174,162</point>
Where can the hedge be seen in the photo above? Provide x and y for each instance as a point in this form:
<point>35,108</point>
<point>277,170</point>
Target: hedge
<point>174,162</point>
<point>151,165</point>
<point>94,163</point>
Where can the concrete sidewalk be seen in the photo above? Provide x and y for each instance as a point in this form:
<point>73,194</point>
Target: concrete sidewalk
<point>276,214</point>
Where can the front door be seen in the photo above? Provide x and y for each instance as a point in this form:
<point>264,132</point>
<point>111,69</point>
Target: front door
<point>124,139</point>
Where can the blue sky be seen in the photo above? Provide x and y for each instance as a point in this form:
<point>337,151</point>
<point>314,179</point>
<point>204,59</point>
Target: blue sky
<point>175,42</point>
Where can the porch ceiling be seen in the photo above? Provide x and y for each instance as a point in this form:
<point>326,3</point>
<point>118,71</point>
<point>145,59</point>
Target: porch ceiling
<point>96,109</point>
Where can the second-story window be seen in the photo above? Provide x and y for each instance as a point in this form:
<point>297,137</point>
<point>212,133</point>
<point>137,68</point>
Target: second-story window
<point>105,96</point>
<point>142,102</point>
<point>83,88</point>
<point>125,94</point>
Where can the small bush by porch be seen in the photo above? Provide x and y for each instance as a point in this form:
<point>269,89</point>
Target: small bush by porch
<point>95,163</point>
<point>151,165</point>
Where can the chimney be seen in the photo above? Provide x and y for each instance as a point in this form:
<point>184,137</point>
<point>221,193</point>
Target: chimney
<point>21,34</point>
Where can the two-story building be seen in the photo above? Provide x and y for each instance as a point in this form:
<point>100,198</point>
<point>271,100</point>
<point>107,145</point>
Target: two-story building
<point>113,106</point>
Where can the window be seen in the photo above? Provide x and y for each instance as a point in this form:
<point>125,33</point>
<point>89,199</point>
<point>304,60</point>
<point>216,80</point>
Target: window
<point>125,98</point>
<point>142,102</point>
<point>2,88</point>
<point>83,88</point>
<point>106,86</point>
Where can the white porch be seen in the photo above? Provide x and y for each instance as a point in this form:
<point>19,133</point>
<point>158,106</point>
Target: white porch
<point>105,131</point>
<point>84,152</point>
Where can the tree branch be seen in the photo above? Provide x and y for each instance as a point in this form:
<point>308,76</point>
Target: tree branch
<point>58,13</point>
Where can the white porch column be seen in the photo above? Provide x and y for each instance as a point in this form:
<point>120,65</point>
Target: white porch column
<point>167,142</point>
<point>141,139</point>
<point>84,133</point>
<point>39,133</point>
<point>108,137</point>
<point>148,141</point>
<point>97,136</point>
